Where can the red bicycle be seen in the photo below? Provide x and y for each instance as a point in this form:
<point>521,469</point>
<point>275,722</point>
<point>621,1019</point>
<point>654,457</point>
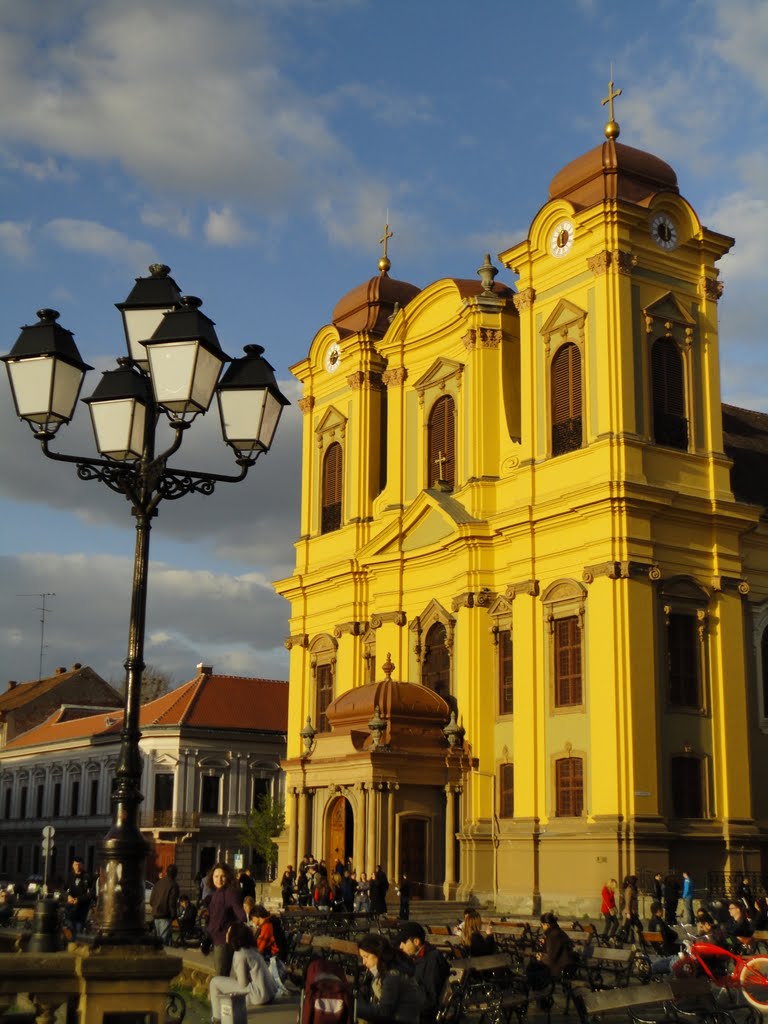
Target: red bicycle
<point>727,970</point>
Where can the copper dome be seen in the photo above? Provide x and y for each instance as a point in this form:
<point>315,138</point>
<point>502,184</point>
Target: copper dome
<point>415,716</point>
<point>613,171</point>
<point>369,306</point>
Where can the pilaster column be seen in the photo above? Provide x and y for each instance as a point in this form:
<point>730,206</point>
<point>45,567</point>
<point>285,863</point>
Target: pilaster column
<point>292,826</point>
<point>358,854</point>
<point>374,803</point>
<point>301,831</point>
<point>450,843</point>
<point>392,788</point>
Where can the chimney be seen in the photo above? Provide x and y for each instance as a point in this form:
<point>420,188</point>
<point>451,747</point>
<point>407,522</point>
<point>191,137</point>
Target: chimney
<point>12,684</point>
<point>204,670</point>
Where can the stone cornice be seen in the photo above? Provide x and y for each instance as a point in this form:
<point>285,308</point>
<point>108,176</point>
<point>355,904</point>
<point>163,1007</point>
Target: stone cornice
<point>356,628</point>
<point>473,599</point>
<point>529,587</point>
<point>296,640</point>
<point>623,570</point>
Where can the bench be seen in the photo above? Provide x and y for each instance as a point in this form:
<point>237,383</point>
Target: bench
<point>609,968</point>
<point>626,1002</point>
<point>488,987</point>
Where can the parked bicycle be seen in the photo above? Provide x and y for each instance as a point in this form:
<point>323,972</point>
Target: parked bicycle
<point>728,970</point>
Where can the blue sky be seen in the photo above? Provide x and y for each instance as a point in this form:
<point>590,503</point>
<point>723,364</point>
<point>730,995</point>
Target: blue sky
<point>255,146</point>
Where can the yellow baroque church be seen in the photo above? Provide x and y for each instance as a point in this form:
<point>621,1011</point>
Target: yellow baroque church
<point>529,614</point>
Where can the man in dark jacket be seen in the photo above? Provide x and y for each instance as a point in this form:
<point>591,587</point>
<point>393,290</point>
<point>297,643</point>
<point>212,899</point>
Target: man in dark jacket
<point>79,895</point>
<point>430,968</point>
<point>164,903</point>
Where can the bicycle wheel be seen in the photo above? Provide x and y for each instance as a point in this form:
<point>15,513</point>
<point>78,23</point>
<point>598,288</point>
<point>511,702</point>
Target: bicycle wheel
<point>754,982</point>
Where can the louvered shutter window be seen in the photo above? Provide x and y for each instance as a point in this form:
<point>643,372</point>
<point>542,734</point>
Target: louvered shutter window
<point>332,485</point>
<point>687,787</point>
<point>567,638</point>
<point>436,670</point>
<point>683,661</point>
<point>441,445</point>
<point>324,680</point>
<point>670,426</point>
<point>566,400</point>
<point>569,783</point>
<point>506,791</point>
<point>506,692</point>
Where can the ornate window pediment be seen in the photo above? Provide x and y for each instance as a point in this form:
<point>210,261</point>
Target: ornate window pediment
<point>212,762</point>
<point>564,323</point>
<point>670,313</point>
<point>438,375</point>
<point>332,427</point>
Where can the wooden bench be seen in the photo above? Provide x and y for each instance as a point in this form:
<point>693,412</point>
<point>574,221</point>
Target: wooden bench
<point>609,968</point>
<point>625,1002</point>
<point>487,987</point>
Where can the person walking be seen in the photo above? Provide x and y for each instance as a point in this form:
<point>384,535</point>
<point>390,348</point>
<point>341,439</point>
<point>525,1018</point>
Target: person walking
<point>363,895</point>
<point>608,908</point>
<point>79,895</point>
<point>224,909</point>
<point>379,887</point>
<point>164,903</point>
<point>688,891</point>
<point>632,925</point>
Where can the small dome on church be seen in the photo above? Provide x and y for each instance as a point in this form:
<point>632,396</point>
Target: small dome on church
<point>412,715</point>
<point>369,306</point>
<point>613,171</point>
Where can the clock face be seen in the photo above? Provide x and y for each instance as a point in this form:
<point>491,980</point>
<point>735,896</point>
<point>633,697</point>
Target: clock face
<point>663,231</point>
<point>561,239</point>
<point>333,357</point>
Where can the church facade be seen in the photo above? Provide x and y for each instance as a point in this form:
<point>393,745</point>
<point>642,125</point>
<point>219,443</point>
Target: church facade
<point>525,502</point>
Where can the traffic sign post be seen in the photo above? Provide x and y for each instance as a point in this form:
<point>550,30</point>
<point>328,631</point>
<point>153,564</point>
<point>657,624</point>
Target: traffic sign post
<point>48,833</point>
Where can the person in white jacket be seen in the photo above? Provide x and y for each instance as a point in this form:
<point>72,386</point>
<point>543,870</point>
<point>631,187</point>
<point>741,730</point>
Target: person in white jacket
<point>249,975</point>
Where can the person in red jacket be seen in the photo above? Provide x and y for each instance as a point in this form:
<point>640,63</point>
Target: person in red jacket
<point>608,908</point>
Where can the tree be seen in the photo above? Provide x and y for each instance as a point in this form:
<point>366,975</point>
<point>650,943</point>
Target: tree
<point>154,683</point>
<point>261,825</point>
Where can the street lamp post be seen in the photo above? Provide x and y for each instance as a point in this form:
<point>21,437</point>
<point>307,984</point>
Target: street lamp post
<point>173,367</point>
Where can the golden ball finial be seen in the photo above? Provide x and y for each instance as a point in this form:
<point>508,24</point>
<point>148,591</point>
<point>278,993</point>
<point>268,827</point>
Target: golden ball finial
<point>384,264</point>
<point>612,129</point>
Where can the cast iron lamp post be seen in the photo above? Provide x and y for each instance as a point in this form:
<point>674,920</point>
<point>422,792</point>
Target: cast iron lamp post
<point>173,367</point>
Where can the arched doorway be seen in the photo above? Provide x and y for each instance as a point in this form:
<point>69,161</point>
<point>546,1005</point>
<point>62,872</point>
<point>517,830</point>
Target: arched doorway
<point>341,832</point>
<point>413,850</point>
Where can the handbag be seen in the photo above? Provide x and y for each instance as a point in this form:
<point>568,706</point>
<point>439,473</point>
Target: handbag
<point>206,945</point>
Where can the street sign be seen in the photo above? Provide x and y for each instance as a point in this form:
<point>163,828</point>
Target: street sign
<point>48,845</point>
<point>49,832</point>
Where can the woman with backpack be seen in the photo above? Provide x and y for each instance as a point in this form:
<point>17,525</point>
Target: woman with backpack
<point>388,992</point>
<point>249,977</point>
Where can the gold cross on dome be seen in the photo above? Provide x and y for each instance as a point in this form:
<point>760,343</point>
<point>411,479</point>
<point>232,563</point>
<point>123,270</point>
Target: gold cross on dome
<point>610,98</point>
<point>387,235</point>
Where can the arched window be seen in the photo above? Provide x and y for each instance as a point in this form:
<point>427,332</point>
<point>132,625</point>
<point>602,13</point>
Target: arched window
<point>566,400</point>
<point>436,669</point>
<point>330,518</point>
<point>441,446</point>
<point>569,787</point>
<point>324,682</point>
<point>568,688</point>
<point>670,426</point>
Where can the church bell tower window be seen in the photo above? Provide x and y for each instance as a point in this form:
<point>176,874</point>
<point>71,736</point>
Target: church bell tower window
<point>670,426</point>
<point>441,457</point>
<point>333,474</point>
<point>566,400</point>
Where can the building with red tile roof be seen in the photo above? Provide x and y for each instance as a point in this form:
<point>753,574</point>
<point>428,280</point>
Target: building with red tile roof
<point>210,748</point>
<point>25,705</point>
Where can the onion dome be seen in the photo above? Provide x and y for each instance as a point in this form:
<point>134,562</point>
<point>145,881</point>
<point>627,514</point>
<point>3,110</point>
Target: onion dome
<point>370,306</point>
<point>413,715</point>
<point>613,171</point>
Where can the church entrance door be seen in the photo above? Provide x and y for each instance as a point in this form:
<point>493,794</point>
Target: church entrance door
<point>413,849</point>
<point>340,832</point>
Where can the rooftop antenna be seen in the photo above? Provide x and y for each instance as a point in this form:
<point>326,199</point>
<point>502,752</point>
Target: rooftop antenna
<point>43,610</point>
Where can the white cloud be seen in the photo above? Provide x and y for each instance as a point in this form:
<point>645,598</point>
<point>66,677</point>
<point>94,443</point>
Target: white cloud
<point>14,239</point>
<point>191,616</point>
<point>167,218</point>
<point>741,38</point>
<point>223,228</point>
<point>97,239</point>
<point>48,169</point>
